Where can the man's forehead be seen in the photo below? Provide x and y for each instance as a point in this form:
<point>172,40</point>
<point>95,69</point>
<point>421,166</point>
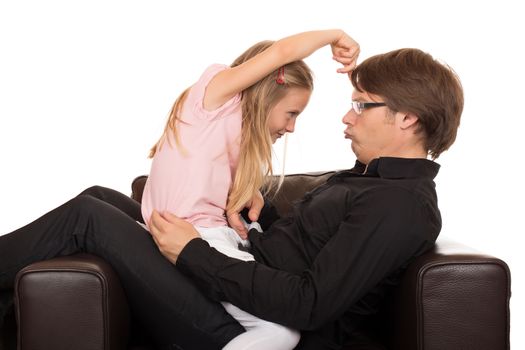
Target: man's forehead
<point>364,96</point>
<point>358,95</point>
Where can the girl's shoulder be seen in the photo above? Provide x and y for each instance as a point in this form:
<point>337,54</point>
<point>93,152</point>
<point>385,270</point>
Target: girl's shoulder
<point>208,74</point>
<point>197,91</point>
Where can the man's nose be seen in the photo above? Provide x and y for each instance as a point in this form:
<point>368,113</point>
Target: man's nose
<point>350,117</point>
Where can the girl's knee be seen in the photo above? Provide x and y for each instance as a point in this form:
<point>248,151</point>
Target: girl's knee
<point>291,337</point>
<point>285,337</point>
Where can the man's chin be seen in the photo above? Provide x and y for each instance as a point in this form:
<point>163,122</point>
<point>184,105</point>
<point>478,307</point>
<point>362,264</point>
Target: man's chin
<point>356,152</point>
<point>352,146</point>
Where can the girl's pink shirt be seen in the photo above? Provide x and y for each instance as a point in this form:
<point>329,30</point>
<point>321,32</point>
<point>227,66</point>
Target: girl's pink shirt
<point>192,180</point>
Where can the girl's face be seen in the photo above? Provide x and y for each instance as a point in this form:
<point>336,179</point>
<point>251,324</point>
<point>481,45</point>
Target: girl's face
<point>283,114</point>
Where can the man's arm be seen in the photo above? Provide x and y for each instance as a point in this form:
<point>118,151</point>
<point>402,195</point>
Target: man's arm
<point>380,234</point>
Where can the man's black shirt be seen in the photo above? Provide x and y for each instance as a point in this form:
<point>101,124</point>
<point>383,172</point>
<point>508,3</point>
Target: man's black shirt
<point>329,262</point>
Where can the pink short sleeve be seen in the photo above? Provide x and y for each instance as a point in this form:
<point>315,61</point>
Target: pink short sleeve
<point>196,96</point>
<point>193,181</point>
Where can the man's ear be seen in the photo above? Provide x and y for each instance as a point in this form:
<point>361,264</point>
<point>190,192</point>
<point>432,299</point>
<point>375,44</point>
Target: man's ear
<point>409,120</point>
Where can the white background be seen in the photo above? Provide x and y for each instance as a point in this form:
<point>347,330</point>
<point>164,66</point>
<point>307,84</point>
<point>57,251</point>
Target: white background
<point>85,88</point>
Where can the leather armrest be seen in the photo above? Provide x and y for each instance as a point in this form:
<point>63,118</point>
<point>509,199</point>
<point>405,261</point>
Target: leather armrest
<point>71,302</point>
<point>452,297</point>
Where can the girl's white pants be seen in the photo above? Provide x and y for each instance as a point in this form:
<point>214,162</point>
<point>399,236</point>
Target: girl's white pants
<point>260,334</point>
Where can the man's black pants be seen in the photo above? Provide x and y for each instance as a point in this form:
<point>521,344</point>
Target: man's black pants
<point>103,222</point>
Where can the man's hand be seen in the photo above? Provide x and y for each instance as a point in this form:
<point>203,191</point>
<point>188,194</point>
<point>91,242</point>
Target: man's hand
<point>234,218</point>
<point>171,234</point>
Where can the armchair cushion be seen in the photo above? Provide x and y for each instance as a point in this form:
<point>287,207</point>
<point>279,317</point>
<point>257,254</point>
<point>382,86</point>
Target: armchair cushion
<point>71,302</point>
<point>452,297</point>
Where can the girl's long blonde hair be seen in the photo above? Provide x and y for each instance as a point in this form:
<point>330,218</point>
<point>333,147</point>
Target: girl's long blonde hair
<point>255,157</point>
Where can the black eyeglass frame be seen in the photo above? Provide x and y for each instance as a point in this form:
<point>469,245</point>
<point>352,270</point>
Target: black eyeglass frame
<point>358,107</point>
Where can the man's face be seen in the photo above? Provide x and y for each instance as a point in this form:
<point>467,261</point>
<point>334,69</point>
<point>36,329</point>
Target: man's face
<point>374,132</point>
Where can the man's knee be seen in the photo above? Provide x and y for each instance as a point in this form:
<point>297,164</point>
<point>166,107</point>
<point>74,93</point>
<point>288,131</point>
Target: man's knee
<point>94,191</point>
<point>85,202</point>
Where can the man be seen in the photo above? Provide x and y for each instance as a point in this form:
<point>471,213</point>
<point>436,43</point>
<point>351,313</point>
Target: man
<point>325,268</point>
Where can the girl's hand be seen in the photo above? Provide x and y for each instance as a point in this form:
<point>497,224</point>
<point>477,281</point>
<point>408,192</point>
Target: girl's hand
<point>345,50</point>
<point>255,205</point>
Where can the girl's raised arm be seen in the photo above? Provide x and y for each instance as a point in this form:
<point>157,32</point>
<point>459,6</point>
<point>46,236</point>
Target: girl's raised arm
<point>230,82</point>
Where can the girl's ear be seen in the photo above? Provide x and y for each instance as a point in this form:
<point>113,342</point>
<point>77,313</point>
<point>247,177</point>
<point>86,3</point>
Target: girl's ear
<point>409,120</point>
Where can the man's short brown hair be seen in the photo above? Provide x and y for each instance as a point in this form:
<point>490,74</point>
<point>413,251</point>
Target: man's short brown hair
<point>412,81</point>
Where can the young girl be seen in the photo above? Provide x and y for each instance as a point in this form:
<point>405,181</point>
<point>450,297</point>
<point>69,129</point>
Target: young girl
<point>103,222</point>
<point>215,151</point>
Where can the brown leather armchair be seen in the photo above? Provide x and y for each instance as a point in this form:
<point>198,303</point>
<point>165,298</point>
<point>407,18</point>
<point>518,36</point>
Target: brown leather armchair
<point>450,298</point>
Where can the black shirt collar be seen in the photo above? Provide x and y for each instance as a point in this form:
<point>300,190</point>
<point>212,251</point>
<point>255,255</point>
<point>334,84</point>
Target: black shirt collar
<point>397,168</point>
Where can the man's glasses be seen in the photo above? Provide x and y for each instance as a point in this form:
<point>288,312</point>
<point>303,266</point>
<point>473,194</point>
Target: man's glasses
<point>358,107</point>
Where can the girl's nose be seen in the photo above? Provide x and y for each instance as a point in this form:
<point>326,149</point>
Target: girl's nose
<point>290,127</point>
